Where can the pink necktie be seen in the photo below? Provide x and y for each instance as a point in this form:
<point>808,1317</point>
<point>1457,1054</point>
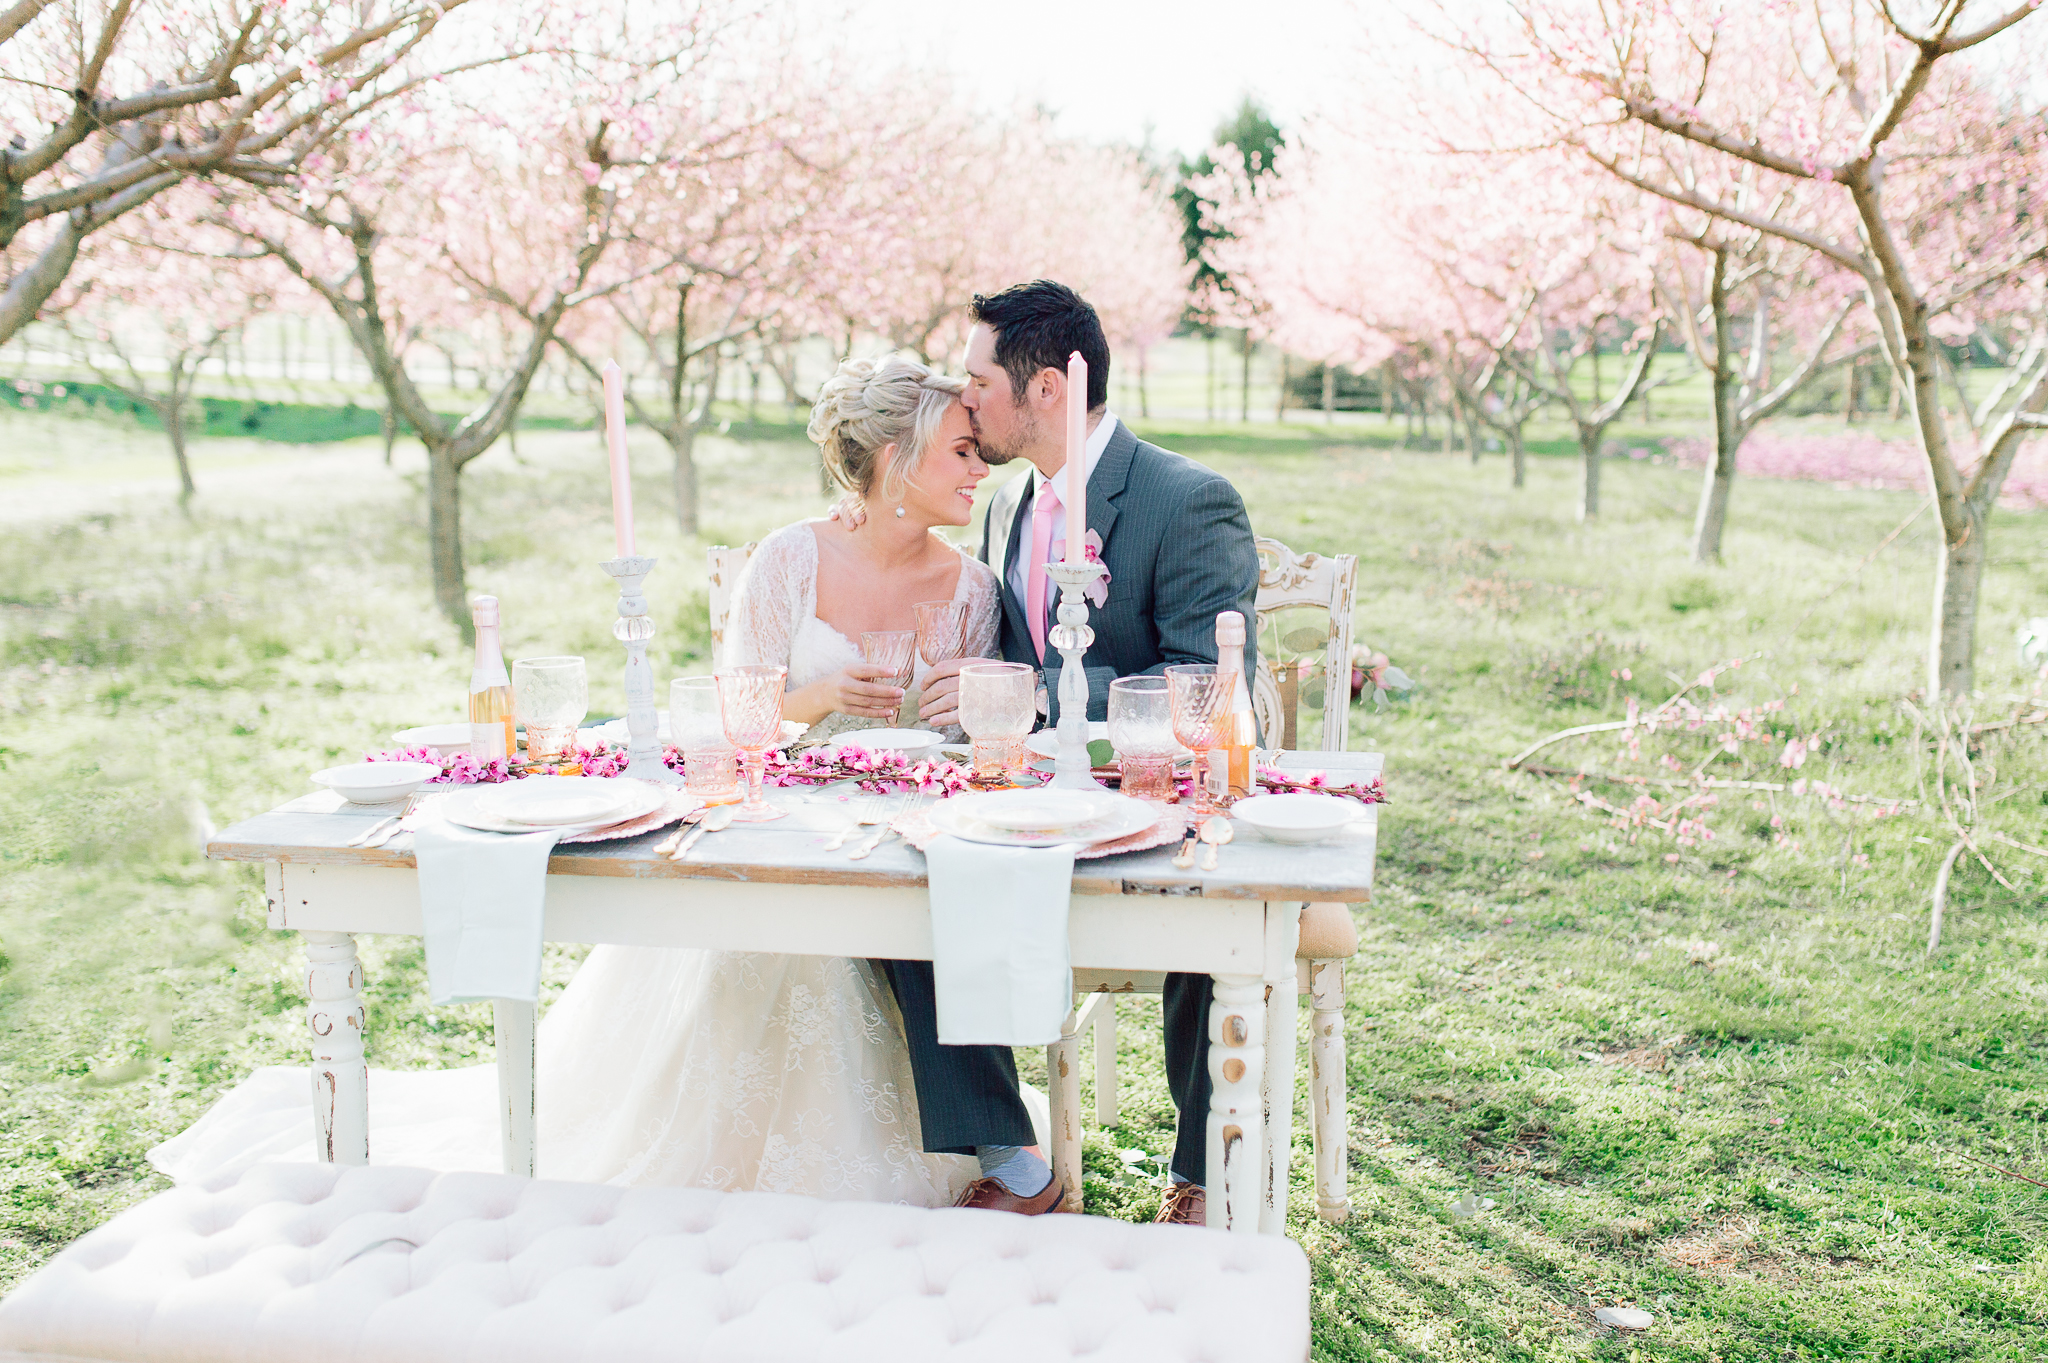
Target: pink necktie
<point>1034,572</point>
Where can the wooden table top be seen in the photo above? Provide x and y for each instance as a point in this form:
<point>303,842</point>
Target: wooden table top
<point>312,830</point>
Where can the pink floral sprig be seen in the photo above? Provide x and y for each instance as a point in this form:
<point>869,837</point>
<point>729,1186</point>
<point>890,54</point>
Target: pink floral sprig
<point>880,771</point>
<point>460,769</point>
<point>1372,792</point>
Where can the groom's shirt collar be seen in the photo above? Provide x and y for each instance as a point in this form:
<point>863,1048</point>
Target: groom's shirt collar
<point>1098,441</point>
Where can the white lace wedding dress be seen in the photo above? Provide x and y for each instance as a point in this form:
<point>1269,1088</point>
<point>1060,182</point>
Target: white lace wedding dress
<point>675,1066</point>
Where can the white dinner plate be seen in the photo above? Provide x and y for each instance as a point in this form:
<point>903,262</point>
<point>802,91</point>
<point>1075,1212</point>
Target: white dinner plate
<point>1036,811</point>
<point>1122,817</point>
<point>468,808</point>
<point>912,743</point>
<point>548,801</point>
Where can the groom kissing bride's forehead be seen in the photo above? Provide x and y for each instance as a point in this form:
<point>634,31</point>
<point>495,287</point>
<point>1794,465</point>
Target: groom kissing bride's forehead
<point>1177,544</point>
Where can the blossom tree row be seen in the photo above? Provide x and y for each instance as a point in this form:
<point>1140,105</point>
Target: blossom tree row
<point>1772,190</point>
<point>661,184</point>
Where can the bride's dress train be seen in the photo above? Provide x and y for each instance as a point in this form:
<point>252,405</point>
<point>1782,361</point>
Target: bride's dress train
<point>673,1066</point>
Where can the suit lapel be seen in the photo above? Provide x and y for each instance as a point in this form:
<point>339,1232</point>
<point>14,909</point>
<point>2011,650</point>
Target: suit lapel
<point>1106,484</point>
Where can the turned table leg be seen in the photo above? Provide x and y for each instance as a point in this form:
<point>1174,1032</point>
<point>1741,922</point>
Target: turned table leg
<point>1282,984</point>
<point>512,1021</point>
<point>334,1015</point>
<point>1237,1046</point>
<point>1328,1121</point>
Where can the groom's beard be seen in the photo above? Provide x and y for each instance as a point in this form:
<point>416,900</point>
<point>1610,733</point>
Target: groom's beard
<point>994,454</point>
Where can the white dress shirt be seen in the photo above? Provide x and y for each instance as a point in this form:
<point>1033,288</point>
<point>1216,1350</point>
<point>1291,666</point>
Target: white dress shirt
<point>1098,441</point>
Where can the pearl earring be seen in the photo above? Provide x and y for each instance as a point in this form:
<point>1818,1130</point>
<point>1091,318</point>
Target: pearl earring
<point>899,513</point>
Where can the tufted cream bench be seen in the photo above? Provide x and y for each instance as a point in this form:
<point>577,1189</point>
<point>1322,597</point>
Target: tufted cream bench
<point>322,1263</point>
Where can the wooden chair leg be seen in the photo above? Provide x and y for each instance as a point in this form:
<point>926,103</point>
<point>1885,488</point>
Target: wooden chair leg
<point>1329,1122</point>
<point>1106,1110</point>
<point>1063,1085</point>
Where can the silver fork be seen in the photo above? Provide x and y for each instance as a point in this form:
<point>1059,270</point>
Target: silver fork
<point>907,805</point>
<point>870,813</point>
<point>382,831</point>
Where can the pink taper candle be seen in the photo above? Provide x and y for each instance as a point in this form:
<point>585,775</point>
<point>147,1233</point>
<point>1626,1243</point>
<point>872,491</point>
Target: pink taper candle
<point>1077,456</point>
<point>622,472</point>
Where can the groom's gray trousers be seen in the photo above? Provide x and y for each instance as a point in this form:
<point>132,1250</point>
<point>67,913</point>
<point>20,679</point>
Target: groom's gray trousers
<point>1178,546</point>
<point>967,1095</point>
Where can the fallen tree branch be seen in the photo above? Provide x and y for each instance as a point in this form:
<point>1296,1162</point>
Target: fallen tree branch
<point>1715,783</point>
<point>1948,864</point>
<point>1996,1168</point>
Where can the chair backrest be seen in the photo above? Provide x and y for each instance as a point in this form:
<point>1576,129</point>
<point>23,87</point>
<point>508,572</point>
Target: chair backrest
<point>726,566</point>
<point>1304,607</point>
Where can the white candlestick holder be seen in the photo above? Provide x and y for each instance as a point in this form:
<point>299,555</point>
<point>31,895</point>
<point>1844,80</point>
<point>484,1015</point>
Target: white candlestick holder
<point>635,630</point>
<point>1071,636</point>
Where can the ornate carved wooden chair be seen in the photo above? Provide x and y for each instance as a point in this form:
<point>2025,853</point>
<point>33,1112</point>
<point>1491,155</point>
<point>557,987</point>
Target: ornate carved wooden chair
<point>1302,694</point>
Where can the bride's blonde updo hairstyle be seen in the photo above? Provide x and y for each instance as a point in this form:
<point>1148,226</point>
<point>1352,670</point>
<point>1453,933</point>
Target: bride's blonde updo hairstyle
<point>872,404</point>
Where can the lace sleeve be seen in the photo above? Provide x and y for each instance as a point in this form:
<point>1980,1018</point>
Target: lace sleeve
<point>984,610</point>
<point>772,598</point>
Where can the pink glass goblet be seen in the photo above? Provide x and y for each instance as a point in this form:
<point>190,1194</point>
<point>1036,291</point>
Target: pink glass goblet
<point>1200,696</point>
<point>750,699</point>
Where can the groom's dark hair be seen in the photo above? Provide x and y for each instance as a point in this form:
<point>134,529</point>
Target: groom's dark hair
<point>1037,325</point>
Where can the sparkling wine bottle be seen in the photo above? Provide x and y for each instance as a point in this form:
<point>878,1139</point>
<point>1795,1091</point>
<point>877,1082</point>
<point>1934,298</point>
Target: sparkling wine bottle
<point>1233,778</point>
<point>490,689</point>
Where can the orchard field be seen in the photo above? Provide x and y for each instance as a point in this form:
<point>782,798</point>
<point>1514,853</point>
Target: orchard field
<point>1719,1078</point>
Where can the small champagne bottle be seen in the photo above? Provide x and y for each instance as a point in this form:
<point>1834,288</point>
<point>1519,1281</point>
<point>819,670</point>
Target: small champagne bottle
<point>1233,778</point>
<point>491,733</point>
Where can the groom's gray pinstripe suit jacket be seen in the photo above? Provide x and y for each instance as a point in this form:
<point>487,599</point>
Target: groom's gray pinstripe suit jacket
<point>1178,546</point>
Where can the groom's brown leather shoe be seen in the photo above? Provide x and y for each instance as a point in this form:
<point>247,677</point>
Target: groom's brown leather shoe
<point>1186,1204</point>
<point>990,1195</point>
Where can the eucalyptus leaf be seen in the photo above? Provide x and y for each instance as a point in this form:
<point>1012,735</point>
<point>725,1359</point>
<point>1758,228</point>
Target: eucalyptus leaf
<point>1100,754</point>
<point>1306,638</point>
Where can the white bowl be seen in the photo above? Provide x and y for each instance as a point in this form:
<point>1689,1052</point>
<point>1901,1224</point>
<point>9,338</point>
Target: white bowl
<point>912,743</point>
<point>1297,818</point>
<point>450,740</point>
<point>376,783</point>
<point>1046,742</point>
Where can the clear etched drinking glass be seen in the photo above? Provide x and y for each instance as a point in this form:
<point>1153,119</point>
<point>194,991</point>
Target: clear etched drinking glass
<point>996,710</point>
<point>941,630</point>
<point>550,697</point>
<point>1200,697</point>
<point>895,649</point>
<point>1141,731</point>
<point>750,699</point>
<point>696,725</point>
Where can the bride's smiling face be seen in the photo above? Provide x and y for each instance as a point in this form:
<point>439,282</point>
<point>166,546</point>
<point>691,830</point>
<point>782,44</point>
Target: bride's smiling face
<point>941,492</point>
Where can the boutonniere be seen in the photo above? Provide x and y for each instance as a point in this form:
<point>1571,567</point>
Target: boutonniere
<point>1097,591</point>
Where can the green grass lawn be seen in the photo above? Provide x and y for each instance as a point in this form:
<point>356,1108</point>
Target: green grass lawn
<point>1722,1081</point>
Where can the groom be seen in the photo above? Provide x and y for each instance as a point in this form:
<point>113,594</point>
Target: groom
<point>1178,547</point>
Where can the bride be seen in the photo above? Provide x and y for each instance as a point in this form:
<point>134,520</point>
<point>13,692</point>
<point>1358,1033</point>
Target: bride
<point>684,1067</point>
<point>770,1072</point>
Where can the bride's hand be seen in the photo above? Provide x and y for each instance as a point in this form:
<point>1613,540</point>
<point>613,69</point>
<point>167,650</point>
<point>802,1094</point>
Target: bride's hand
<point>858,690</point>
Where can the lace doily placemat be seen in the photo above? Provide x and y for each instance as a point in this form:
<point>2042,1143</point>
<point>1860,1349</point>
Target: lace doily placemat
<point>917,830</point>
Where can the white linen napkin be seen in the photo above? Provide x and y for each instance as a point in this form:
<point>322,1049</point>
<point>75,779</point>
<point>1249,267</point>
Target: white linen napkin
<point>1000,962</point>
<point>481,897</point>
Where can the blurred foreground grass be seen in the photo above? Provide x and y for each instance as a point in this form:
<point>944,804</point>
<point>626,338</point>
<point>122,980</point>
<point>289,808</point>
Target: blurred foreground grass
<point>1729,1088</point>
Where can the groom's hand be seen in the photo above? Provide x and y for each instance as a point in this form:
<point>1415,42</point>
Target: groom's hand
<point>941,705</point>
<point>849,511</point>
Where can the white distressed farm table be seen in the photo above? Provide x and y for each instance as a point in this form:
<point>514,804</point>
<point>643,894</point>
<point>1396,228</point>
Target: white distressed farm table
<point>773,887</point>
